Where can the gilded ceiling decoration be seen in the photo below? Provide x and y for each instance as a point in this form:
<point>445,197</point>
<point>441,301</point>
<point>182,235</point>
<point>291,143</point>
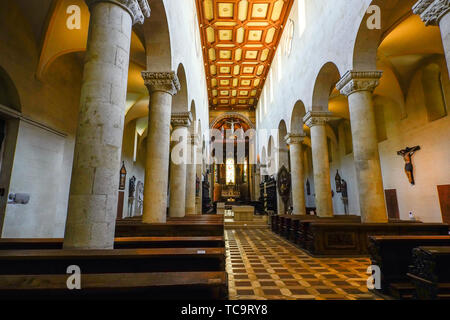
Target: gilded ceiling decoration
<point>239,39</point>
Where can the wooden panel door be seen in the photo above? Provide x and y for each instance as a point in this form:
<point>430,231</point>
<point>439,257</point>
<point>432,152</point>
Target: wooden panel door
<point>392,203</point>
<point>444,200</point>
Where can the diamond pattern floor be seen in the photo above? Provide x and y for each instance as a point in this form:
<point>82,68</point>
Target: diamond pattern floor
<point>262,265</point>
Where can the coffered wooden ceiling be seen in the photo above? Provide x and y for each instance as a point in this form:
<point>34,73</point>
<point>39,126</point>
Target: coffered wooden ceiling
<point>239,39</point>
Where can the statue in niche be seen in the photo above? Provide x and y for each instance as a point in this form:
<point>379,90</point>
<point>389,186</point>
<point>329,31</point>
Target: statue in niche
<point>132,187</point>
<point>139,198</point>
<point>338,181</point>
<point>407,154</point>
<point>131,190</point>
<point>308,187</point>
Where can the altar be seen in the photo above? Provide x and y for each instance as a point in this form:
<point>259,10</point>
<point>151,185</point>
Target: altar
<point>243,213</point>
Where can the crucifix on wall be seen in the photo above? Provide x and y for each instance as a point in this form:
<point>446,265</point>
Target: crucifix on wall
<point>407,154</point>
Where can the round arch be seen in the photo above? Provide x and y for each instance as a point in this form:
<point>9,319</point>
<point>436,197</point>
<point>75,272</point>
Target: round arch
<point>157,39</point>
<point>297,115</point>
<point>367,40</point>
<point>235,115</point>
<point>180,100</point>
<point>324,85</point>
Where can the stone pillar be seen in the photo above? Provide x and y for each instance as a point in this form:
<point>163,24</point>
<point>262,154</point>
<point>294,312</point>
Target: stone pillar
<point>190,175</point>
<point>316,120</point>
<point>161,86</point>
<point>437,13</point>
<point>199,174</point>
<point>358,87</point>
<point>180,124</point>
<point>297,178</point>
<point>94,185</point>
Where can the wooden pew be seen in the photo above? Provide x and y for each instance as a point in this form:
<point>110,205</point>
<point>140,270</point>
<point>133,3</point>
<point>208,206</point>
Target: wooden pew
<point>29,262</point>
<point>199,217</point>
<point>170,229</point>
<point>301,229</point>
<point>344,238</point>
<point>393,254</point>
<point>430,272</point>
<point>121,286</point>
<point>120,243</point>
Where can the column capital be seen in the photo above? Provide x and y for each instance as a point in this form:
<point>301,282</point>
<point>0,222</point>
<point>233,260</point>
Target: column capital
<point>181,119</point>
<point>161,81</point>
<point>294,138</point>
<point>354,81</point>
<point>317,118</point>
<point>431,11</point>
<point>138,9</point>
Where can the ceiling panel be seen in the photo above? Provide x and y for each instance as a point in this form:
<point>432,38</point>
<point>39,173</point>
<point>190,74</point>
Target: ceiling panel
<point>239,39</point>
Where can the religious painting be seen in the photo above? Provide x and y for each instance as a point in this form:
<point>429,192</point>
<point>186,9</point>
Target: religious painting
<point>284,186</point>
<point>338,182</point>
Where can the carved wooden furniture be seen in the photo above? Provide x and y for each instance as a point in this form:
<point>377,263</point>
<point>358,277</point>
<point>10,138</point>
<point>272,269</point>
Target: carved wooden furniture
<point>343,238</point>
<point>393,254</point>
<point>430,272</point>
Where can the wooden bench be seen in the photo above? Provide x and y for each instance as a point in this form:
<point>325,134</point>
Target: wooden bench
<point>199,217</point>
<point>170,229</point>
<point>120,243</point>
<point>29,262</point>
<point>430,272</point>
<point>343,238</point>
<point>122,286</point>
<point>393,254</point>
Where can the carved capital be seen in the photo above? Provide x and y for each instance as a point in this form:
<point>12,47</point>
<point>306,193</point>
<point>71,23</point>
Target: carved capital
<point>431,11</point>
<point>317,118</point>
<point>181,119</point>
<point>138,9</point>
<point>161,81</point>
<point>294,138</point>
<point>354,81</point>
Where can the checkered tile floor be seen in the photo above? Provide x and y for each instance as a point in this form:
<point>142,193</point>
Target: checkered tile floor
<point>261,265</point>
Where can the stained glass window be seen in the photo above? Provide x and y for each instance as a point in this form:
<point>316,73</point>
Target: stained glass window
<point>230,171</point>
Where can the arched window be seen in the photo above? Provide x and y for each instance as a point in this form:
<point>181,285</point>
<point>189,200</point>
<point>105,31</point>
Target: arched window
<point>289,37</point>
<point>230,172</point>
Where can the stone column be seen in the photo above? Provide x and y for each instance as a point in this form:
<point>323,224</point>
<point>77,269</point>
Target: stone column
<point>437,13</point>
<point>316,120</point>
<point>199,174</point>
<point>94,185</point>
<point>358,87</point>
<point>190,175</point>
<point>161,86</point>
<point>297,178</point>
<point>180,124</point>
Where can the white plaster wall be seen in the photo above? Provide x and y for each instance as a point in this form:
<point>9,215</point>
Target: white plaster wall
<point>330,35</point>
<point>42,167</point>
